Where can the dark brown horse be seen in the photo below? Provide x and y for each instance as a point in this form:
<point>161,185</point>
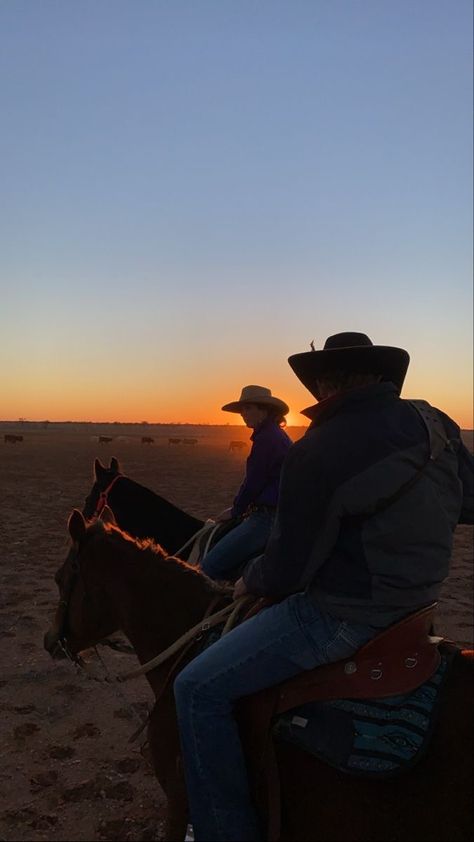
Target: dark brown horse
<point>110,581</point>
<point>138,510</point>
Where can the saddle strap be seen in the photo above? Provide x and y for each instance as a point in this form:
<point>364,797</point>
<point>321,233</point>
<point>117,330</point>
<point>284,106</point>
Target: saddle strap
<point>372,678</point>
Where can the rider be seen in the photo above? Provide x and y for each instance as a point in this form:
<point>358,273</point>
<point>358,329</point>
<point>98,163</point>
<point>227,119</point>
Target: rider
<point>362,538</point>
<point>255,503</point>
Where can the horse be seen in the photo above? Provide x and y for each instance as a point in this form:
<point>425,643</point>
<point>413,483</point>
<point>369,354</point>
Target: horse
<point>237,445</point>
<point>138,510</point>
<point>110,581</point>
<point>9,438</point>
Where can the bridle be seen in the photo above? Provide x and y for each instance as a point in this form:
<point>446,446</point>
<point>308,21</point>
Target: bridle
<point>103,496</point>
<point>64,607</point>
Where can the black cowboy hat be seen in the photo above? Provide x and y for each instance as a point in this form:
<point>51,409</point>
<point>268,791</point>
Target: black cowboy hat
<point>353,353</point>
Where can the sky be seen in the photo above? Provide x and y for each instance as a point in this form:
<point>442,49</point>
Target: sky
<point>193,190</point>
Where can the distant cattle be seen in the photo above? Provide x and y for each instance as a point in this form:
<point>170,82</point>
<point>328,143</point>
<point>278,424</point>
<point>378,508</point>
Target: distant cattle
<point>190,441</point>
<point>147,440</point>
<point>174,441</point>
<point>237,445</point>
<point>11,439</point>
<point>105,439</point>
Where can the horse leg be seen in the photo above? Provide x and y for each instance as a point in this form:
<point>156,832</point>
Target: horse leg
<point>166,755</point>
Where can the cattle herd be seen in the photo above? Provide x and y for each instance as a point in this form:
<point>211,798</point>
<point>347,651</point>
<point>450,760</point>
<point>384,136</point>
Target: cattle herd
<point>10,438</point>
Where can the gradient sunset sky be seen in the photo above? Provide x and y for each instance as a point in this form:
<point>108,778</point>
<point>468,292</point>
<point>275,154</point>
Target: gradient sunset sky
<point>193,190</point>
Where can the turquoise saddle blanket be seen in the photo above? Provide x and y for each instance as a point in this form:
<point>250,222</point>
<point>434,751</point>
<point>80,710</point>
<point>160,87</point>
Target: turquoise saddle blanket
<point>370,738</point>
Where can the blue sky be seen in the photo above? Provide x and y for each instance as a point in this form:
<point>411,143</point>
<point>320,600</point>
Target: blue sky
<point>194,190</point>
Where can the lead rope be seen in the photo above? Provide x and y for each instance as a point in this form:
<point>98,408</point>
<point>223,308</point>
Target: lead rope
<point>110,679</point>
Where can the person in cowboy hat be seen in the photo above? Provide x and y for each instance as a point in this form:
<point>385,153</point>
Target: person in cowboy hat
<point>369,500</point>
<point>255,504</point>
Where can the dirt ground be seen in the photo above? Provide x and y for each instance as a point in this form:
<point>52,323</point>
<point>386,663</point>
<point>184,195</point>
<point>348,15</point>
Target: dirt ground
<point>67,770</point>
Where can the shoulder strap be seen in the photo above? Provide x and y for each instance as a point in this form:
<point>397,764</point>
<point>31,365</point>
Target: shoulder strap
<point>438,440</point>
<point>434,426</point>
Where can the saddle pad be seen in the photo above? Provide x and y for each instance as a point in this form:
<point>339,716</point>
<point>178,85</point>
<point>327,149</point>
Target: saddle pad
<point>371,738</point>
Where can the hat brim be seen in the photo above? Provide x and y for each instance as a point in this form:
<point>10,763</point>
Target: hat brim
<point>236,406</point>
<point>391,363</point>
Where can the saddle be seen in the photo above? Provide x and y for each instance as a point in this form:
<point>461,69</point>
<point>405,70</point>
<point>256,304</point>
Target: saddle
<point>397,661</point>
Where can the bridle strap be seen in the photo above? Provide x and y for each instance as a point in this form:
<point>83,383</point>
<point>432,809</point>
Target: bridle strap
<point>103,496</point>
<point>64,603</point>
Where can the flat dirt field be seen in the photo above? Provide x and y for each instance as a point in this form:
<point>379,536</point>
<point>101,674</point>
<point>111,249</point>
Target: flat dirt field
<point>67,771</point>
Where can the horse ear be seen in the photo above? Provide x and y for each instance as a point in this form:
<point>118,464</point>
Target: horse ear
<point>98,468</point>
<point>114,465</point>
<point>76,526</point>
<point>107,516</point>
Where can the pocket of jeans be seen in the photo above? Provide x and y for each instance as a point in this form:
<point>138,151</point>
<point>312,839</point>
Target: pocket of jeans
<point>340,646</point>
<point>347,640</point>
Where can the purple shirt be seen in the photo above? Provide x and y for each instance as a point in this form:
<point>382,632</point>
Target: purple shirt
<point>262,478</point>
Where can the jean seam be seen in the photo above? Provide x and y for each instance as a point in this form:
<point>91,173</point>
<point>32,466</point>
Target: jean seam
<point>197,746</point>
<point>318,652</point>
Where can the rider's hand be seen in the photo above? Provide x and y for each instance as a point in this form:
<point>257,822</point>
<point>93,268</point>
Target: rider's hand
<point>224,515</point>
<point>240,588</point>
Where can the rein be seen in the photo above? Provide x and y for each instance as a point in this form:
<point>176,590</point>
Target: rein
<point>230,611</point>
<point>210,527</point>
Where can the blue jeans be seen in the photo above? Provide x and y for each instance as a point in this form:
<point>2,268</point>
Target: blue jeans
<point>242,543</point>
<point>278,643</point>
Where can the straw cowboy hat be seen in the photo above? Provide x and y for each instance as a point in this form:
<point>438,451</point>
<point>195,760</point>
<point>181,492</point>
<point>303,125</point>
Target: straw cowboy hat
<point>256,394</point>
<point>353,353</point>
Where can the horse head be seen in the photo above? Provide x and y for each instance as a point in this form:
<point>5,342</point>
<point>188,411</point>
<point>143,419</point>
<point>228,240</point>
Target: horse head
<point>103,481</point>
<point>83,615</point>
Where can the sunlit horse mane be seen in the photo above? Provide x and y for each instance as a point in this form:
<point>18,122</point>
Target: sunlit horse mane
<point>149,553</point>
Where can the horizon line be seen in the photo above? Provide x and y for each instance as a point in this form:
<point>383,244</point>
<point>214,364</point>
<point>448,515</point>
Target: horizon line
<point>132,423</point>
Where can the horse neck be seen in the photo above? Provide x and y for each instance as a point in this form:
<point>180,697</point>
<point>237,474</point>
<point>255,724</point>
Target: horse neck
<point>144,514</point>
<point>155,599</point>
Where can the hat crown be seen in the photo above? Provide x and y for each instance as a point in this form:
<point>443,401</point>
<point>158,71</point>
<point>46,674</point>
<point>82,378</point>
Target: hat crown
<point>253,393</point>
<point>347,340</point>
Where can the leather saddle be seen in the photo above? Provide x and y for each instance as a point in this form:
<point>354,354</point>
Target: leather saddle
<point>397,661</point>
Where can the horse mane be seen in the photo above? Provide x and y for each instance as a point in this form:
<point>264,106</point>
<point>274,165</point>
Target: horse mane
<point>152,555</point>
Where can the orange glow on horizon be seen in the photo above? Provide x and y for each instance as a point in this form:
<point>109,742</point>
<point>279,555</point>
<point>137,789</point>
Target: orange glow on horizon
<point>168,397</point>
<point>186,413</point>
